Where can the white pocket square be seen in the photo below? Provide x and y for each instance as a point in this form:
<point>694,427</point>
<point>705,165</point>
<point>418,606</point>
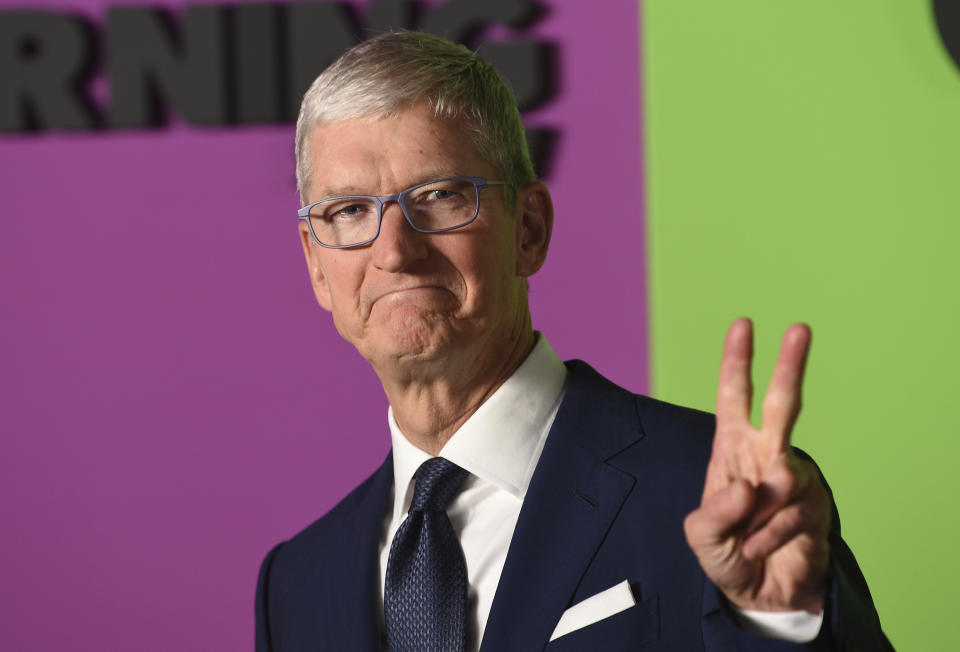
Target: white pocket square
<point>595,608</point>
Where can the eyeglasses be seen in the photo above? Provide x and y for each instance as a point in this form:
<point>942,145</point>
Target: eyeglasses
<point>431,207</point>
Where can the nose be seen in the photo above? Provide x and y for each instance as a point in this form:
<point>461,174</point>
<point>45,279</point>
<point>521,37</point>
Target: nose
<point>398,244</point>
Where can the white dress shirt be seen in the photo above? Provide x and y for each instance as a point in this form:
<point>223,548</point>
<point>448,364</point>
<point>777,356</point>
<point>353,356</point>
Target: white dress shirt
<point>500,445</point>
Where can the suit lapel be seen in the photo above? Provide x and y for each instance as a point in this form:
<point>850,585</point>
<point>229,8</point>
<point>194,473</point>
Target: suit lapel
<point>360,599</point>
<point>573,498</point>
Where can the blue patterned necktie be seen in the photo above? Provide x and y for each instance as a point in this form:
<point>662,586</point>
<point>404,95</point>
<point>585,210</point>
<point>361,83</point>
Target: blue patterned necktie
<point>425,593</point>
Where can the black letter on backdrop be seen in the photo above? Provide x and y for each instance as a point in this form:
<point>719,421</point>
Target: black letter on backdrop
<point>45,60</point>
<point>527,66</point>
<point>386,15</point>
<point>461,20</point>
<point>259,66</point>
<point>947,15</point>
<point>318,34</point>
<point>146,61</point>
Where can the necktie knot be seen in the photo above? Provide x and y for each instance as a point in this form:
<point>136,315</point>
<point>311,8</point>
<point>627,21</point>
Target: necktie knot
<point>438,481</point>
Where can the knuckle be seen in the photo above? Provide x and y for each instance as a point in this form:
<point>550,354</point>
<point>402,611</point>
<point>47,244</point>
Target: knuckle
<point>691,528</point>
<point>773,398</point>
<point>786,480</point>
<point>729,392</point>
<point>794,519</point>
<point>776,402</point>
<point>791,483</point>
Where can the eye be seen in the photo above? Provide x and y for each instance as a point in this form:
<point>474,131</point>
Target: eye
<point>442,193</point>
<point>445,192</point>
<point>347,211</point>
<point>352,210</point>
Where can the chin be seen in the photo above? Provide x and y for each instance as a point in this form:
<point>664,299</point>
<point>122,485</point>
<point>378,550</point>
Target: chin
<point>410,338</point>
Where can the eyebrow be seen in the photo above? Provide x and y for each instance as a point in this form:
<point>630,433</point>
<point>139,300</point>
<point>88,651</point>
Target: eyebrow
<point>346,191</point>
<point>326,193</point>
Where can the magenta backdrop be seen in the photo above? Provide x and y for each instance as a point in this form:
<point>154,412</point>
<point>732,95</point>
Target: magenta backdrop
<point>173,402</point>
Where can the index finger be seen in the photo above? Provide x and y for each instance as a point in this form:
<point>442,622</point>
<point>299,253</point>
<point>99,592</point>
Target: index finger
<point>782,402</point>
<point>735,388</point>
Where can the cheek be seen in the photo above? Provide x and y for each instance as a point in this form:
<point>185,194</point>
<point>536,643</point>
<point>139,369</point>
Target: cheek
<point>344,288</point>
<point>494,278</point>
<point>346,314</point>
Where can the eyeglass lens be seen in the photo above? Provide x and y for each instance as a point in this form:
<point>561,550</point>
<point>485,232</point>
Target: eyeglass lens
<point>436,206</point>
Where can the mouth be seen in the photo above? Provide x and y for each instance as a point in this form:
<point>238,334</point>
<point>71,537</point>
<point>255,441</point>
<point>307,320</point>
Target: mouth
<point>400,294</point>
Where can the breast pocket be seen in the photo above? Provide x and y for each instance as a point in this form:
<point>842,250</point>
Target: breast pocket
<point>625,631</point>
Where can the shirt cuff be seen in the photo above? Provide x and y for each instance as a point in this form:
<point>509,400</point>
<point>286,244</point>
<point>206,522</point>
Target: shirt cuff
<point>793,626</point>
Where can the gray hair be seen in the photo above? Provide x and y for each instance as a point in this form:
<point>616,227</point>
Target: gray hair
<point>384,75</point>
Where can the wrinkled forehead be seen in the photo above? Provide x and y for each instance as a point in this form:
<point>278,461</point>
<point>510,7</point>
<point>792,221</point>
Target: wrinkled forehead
<point>381,155</point>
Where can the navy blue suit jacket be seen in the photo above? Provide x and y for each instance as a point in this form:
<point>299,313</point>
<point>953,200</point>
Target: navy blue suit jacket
<point>618,474</point>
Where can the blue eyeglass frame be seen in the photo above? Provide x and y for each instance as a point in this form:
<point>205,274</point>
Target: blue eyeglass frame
<point>479,183</point>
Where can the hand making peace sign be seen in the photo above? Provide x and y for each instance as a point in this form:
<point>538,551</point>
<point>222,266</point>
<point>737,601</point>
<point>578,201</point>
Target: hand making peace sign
<point>760,532</point>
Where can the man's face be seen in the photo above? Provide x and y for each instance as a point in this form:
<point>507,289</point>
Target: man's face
<point>409,296</point>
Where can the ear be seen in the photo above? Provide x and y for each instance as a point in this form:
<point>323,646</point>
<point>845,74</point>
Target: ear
<point>318,280</point>
<point>534,227</point>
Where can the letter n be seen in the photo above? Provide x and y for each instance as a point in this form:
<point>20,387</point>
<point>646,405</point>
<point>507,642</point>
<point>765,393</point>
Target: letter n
<point>148,61</point>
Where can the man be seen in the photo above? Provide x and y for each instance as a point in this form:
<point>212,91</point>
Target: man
<point>526,504</point>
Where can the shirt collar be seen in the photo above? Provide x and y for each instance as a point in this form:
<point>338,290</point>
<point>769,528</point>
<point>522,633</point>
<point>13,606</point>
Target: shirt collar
<point>500,442</point>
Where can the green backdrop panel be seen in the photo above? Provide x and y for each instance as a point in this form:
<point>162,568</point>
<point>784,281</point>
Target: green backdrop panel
<point>804,164</point>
